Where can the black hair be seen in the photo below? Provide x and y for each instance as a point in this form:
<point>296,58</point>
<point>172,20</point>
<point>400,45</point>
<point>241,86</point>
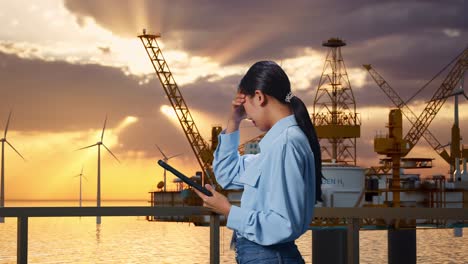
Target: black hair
<point>269,77</point>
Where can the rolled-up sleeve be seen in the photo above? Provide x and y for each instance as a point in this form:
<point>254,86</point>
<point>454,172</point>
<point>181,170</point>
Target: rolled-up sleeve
<point>227,163</point>
<point>286,214</point>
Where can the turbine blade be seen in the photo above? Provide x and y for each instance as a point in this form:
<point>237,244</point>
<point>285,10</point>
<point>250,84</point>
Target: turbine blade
<point>173,156</point>
<point>111,153</point>
<point>162,153</point>
<point>85,178</point>
<point>81,170</point>
<point>15,150</point>
<point>104,128</point>
<point>7,124</point>
<point>87,147</point>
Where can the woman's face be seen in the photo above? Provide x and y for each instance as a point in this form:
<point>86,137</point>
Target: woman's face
<point>253,110</point>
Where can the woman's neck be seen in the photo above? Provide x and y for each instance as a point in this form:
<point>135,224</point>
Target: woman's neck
<point>277,111</point>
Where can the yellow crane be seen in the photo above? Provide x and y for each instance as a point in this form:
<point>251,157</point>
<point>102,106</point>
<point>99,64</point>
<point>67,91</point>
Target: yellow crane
<point>406,111</point>
<point>395,146</point>
<point>203,151</point>
<point>437,100</point>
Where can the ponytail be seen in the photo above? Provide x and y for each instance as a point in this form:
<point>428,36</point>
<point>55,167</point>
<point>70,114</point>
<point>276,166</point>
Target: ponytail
<point>303,120</point>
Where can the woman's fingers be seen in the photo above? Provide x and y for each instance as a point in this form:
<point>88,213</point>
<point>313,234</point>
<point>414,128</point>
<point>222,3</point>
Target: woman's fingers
<point>218,202</point>
<point>239,100</point>
<point>237,103</point>
<point>210,188</point>
<point>202,196</point>
<point>238,112</point>
<point>206,199</point>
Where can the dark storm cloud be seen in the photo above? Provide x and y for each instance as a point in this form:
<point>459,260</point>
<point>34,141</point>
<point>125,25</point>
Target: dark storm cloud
<point>58,96</point>
<point>407,41</point>
<point>204,24</point>
<point>212,97</point>
<point>63,97</point>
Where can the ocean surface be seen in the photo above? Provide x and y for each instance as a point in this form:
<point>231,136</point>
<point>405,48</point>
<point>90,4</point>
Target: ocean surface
<point>135,240</point>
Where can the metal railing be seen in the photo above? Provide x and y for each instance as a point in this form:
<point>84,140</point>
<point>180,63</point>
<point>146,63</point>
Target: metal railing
<point>23,213</point>
<point>352,216</point>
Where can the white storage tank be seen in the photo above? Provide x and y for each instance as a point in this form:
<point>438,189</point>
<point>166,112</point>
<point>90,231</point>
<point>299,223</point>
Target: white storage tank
<point>343,184</point>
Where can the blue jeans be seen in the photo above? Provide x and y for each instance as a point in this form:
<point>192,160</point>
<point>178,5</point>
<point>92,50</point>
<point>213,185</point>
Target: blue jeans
<point>251,252</point>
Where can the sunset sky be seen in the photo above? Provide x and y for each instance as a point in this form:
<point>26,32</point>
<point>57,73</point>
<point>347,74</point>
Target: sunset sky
<point>65,65</point>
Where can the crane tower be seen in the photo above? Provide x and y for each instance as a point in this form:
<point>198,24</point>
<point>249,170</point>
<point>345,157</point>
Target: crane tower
<point>202,150</point>
<point>334,114</point>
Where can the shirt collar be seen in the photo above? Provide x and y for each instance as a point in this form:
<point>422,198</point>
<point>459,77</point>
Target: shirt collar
<point>276,130</point>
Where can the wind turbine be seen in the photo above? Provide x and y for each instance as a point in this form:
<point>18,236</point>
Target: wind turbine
<point>99,144</point>
<point>165,159</point>
<point>2,181</point>
<point>81,175</point>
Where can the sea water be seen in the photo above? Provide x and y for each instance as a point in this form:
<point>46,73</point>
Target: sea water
<point>135,240</point>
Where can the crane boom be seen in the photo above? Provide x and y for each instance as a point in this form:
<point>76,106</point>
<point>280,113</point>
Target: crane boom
<point>200,147</point>
<point>407,112</point>
<point>437,100</point>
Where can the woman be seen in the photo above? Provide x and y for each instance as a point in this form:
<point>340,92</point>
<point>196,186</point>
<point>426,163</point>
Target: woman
<point>281,184</point>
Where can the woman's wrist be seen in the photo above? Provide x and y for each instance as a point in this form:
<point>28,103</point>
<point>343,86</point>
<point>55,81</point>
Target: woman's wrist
<point>227,211</point>
<point>232,126</point>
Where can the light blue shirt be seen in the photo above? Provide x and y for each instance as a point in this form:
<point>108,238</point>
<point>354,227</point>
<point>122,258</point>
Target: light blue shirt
<point>279,183</point>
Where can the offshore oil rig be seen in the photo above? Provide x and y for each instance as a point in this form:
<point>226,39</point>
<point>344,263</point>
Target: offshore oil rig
<point>346,185</point>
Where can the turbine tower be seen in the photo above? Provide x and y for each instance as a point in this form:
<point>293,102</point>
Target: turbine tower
<point>165,159</point>
<point>81,175</point>
<point>334,116</point>
<point>2,181</point>
<point>99,144</point>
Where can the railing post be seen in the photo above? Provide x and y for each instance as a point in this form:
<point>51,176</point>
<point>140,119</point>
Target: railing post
<point>353,240</point>
<point>22,237</point>
<point>214,239</point>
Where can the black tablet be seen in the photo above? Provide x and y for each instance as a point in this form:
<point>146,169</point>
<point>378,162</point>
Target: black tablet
<point>184,178</point>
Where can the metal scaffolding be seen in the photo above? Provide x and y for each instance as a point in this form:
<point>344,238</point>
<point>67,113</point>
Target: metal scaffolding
<point>334,114</point>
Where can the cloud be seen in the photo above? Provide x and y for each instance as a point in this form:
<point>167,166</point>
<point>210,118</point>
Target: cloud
<point>408,42</point>
<point>57,97</point>
<point>237,31</point>
<point>453,33</point>
<point>105,50</point>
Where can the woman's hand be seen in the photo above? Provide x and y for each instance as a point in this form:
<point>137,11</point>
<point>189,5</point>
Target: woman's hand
<point>237,113</point>
<point>218,202</point>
